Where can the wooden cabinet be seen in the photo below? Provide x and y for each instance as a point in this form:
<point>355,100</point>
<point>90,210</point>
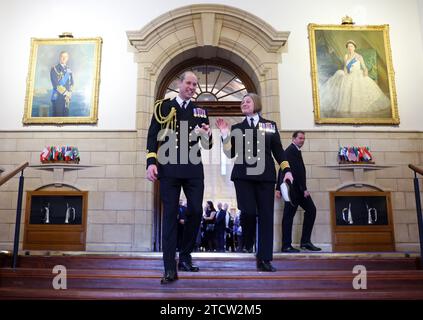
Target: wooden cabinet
<point>361,221</point>
<point>56,220</point>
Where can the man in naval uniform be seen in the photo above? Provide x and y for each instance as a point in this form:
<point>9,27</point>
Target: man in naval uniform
<point>300,197</point>
<point>62,81</point>
<point>176,162</point>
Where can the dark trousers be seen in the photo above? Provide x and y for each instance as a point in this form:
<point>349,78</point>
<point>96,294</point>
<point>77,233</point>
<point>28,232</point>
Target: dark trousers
<point>238,242</point>
<point>220,240</point>
<point>288,218</point>
<point>180,231</point>
<point>256,200</point>
<point>230,242</point>
<point>210,240</point>
<point>170,191</point>
<point>59,107</point>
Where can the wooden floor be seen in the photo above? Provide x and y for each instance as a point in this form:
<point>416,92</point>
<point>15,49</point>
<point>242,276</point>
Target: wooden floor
<point>231,276</point>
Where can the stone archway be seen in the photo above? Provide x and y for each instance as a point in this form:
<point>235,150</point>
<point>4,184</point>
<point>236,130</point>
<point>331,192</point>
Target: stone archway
<point>227,32</point>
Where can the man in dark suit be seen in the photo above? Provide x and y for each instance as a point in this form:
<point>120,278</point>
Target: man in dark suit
<point>176,162</point>
<point>229,230</point>
<point>220,227</point>
<point>300,197</point>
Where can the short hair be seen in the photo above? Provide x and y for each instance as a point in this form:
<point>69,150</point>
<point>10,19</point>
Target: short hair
<point>256,99</point>
<point>296,133</point>
<point>352,42</point>
<point>63,52</point>
<point>184,74</point>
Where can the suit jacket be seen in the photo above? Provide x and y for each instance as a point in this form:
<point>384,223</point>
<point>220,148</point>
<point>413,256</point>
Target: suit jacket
<point>298,170</point>
<point>220,221</point>
<point>235,144</point>
<point>188,118</point>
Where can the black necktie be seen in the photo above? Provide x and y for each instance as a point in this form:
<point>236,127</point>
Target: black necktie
<point>183,105</point>
<point>252,123</point>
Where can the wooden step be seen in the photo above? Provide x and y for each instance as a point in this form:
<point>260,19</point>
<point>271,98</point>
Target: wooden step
<point>209,280</point>
<point>220,277</point>
<point>234,295</point>
<point>246,263</point>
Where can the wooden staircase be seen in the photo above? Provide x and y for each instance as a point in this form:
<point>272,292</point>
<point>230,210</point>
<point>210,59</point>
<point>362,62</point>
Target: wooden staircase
<point>221,277</point>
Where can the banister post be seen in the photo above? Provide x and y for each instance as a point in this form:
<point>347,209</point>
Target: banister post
<point>419,215</point>
<point>18,221</point>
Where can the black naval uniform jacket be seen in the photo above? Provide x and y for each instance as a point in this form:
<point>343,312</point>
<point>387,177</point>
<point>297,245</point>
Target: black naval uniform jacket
<point>273,146</point>
<point>298,170</point>
<point>195,117</point>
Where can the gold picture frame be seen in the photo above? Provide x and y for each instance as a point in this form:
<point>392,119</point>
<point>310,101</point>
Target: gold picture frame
<point>63,81</point>
<point>352,75</point>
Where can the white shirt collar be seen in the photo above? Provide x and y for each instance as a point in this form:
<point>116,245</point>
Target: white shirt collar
<point>255,117</point>
<point>296,146</point>
<point>179,100</point>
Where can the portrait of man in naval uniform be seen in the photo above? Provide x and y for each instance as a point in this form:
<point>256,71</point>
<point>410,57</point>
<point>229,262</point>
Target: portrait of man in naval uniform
<point>63,81</point>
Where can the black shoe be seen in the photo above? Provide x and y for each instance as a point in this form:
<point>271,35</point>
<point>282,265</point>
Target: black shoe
<point>265,266</point>
<point>290,249</point>
<point>310,247</point>
<point>250,250</point>
<point>187,266</point>
<point>169,276</point>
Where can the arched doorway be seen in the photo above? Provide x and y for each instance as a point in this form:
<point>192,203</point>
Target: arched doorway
<point>221,85</point>
<point>207,31</point>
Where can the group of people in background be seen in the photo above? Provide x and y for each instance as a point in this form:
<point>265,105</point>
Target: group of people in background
<point>220,229</point>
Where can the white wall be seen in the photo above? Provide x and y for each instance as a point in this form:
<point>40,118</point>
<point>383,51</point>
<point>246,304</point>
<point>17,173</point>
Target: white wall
<point>20,20</point>
<point>420,4</point>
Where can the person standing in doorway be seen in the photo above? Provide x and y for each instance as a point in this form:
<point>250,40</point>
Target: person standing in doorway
<point>220,228</point>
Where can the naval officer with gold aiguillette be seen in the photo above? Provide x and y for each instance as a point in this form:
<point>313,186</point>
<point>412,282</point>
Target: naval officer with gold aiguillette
<point>176,162</point>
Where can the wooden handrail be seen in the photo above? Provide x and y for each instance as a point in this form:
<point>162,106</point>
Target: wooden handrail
<point>11,174</point>
<point>416,169</point>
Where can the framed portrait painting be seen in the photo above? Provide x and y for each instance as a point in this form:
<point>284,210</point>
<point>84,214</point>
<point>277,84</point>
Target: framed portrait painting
<point>352,75</point>
<point>63,81</point>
